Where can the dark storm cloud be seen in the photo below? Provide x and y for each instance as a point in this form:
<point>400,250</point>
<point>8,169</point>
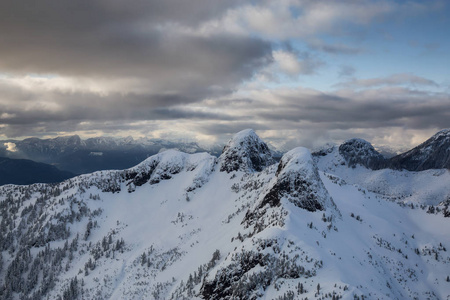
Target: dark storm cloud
<point>145,55</point>
<point>41,19</point>
<point>147,40</point>
<point>176,61</point>
<point>343,110</point>
<point>388,107</point>
<point>181,113</point>
<point>29,112</point>
<point>91,106</point>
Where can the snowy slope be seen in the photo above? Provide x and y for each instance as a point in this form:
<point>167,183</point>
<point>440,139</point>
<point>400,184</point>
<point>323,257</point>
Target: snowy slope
<point>194,226</point>
<point>429,187</point>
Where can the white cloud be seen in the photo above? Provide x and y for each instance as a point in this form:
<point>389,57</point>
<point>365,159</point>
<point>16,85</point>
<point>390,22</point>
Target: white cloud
<point>11,147</point>
<point>301,18</point>
<point>7,116</point>
<point>287,62</point>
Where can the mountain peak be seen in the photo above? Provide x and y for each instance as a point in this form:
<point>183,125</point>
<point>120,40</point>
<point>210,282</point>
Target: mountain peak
<point>244,134</point>
<point>70,139</point>
<point>245,152</point>
<point>443,134</point>
<point>434,153</point>
<point>445,131</point>
<point>299,182</point>
<point>357,143</point>
<point>359,151</point>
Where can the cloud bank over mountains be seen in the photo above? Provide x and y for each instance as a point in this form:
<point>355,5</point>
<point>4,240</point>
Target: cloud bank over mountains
<point>303,71</point>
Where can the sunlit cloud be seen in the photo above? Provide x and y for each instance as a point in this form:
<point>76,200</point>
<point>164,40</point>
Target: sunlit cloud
<point>11,147</point>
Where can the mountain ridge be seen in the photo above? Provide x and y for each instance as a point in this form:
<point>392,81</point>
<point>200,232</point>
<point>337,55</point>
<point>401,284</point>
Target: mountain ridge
<point>177,227</point>
<point>103,153</point>
<point>434,153</point>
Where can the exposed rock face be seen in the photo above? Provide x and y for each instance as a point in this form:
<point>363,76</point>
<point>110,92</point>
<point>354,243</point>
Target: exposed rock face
<point>432,154</point>
<point>245,152</point>
<point>298,180</point>
<point>237,281</point>
<point>324,150</point>
<point>247,273</point>
<point>359,151</point>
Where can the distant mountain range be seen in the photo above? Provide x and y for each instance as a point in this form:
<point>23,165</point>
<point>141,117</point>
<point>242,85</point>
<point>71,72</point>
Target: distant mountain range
<point>101,153</point>
<point>77,156</point>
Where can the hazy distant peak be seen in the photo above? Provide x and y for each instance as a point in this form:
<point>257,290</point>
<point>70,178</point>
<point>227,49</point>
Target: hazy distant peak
<point>434,153</point>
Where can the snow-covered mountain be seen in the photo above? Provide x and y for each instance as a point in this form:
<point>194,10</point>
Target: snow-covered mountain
<point>428,187</point>
<point>359,151</point>
<point>434,153</point>
<point>245,152</point>
<point>240,226</point>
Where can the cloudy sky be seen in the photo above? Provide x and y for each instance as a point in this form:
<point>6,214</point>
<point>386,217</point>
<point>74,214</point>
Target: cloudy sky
<point>299,72</point>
